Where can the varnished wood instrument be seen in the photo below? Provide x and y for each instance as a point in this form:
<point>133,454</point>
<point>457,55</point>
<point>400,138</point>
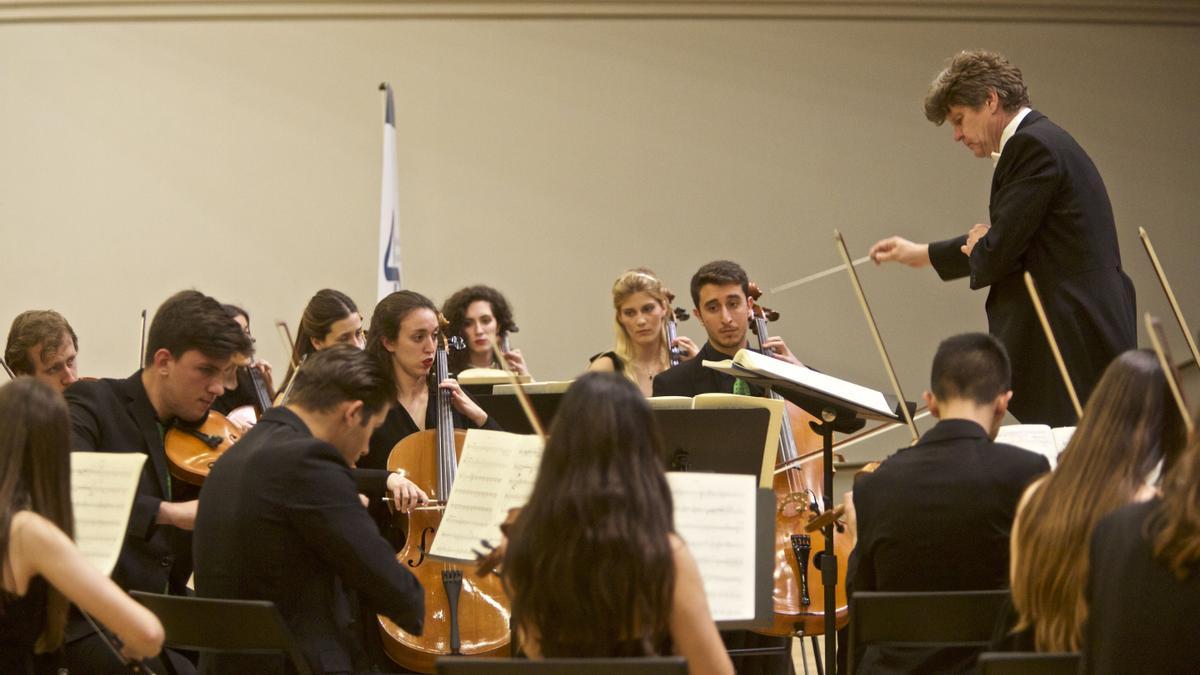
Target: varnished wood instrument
<point>464,614</point>
<point>674,316</point>
<point>798,595</point>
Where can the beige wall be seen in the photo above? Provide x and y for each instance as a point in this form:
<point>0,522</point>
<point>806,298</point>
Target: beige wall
<point>543,156</point>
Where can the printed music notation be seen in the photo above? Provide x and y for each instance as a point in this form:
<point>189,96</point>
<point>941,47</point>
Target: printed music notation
<point>103,485</point>
<point>495,473</point>
<point>715,515</point>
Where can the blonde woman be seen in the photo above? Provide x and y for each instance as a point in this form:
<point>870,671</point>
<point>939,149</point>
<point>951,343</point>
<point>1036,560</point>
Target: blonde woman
<point>1128,427</point>
<point>641,351</point>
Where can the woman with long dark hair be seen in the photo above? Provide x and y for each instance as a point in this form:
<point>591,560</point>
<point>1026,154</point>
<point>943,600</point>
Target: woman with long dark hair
<point>1128,428</point>
<point>1143,593</point>
<point>330,318</point>
<point>43,572</point>
<point>477,314</point>
<point>593,565</point>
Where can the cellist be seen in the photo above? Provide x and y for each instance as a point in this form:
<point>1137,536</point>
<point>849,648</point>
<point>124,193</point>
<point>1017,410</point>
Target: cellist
<point>189,357</point>
<point>720,291</point>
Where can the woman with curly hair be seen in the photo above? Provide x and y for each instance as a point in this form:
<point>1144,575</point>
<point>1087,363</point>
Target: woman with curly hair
<point>478,314</point>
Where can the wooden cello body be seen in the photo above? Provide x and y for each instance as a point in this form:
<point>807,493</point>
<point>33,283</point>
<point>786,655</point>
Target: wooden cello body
<point>798,594</point>
<point>464,614</point>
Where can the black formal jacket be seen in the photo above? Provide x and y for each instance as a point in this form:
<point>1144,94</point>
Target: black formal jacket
<point>1141,619</point>
<point>1050,215</point>
<point>936,517</point>
<point>116,416</point>
<point>690,377</point>
<point>280,520</point>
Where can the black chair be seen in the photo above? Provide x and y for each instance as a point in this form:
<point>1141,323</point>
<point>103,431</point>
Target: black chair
<point>1028,663</point>
<point>933,620</point>
<point>224,626</point>
<point>656,665</point>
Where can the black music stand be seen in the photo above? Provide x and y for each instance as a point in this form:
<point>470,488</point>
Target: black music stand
<point>843,416</point>
<point>714,440</point>
<point>505,409</point>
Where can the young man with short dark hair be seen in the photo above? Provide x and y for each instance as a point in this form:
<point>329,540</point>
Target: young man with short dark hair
<point>936,516</point>
<point>190,353</point>
<point>281,518</point>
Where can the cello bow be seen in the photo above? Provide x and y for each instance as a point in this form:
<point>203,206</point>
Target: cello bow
<point>1166,286</point>
<point>1058,358</point>
<point>1159,342</point>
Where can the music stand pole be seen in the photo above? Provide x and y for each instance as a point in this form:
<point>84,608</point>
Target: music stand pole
<point>828,559</point>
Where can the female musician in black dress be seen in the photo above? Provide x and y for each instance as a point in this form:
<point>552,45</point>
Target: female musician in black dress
<point>478,314</point>
<point>593,565</point>
<point>1128,428</point>
<point>43,572</point>
<point>330,318</point>
<point>1143,594</point>
<point>641,350</point>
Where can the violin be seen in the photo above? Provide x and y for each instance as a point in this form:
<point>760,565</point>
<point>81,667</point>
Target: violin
<point>799,596</point>
<point>674,316</point>
<point>464,614</point>
<point>250,413</point>
<point>192,449</point>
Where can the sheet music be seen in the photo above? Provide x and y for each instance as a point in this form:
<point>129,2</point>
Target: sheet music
<point>772,367</point>
<point>496,472</point>
<point>715,515</point>
<point>103,485</point>
<point>1037,438</point>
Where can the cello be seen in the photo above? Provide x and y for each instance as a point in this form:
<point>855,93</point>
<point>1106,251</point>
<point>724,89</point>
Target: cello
<point>464,615</point>
<point>671,326</point>
<point>799,597</point>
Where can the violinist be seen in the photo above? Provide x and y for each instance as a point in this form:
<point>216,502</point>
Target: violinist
<point>404,335</point>
<point>282,520</point>
<point>190,354</point>
<point>43,571</point>
<point>1143,594</point>
<point>41,343</point>
<point>641,310</point>
<point>242,392</point>
<point>936,516</point>
<point>1129,426</point>
<point>478,314</point>
<point>593,565</point>
<point>720,291</point>
<point>330,318</point>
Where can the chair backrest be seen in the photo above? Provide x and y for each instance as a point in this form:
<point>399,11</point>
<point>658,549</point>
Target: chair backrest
<point>655,665</point>
<point>1028,663</point>
<point>224,626</point>
<point>941,619</point>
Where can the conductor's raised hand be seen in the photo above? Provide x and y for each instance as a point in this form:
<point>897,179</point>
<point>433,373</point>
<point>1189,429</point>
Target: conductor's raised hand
<point>463,403</point>
<point>901,250</point>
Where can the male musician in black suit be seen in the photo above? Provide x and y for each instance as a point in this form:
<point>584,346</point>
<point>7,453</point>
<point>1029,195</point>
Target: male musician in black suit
<point>720,291</point>
<point>189,356</point>
<point>1051,217</point>
<point>936,516</point>
<point>281,518</point>
<point>41,343</point>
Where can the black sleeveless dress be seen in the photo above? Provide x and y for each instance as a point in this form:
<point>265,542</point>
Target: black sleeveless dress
<point>21,621</point>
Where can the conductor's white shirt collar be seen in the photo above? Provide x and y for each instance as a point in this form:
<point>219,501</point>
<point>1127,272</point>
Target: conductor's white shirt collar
<point>1009,130</point>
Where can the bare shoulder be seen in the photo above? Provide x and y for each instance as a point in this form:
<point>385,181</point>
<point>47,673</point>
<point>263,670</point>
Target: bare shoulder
<point>602,364</point>
<point>31,529</point>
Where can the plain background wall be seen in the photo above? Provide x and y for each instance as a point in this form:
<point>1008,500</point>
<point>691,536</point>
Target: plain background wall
<point>545,156</point>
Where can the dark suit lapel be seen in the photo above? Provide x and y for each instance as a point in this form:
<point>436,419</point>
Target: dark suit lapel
<point>142,412</point>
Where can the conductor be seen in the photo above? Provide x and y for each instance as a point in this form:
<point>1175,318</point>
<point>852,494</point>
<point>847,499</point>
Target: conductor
<point>1050,215</point>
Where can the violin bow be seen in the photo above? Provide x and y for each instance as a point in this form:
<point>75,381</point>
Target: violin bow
<point>883,354</point>
<point>1166,286</point>
<point>1159,342</point>
<point>522,397</point>
<point>7,370</point>
<point>285,334</point>
<point>1062,365</point>
<point>142,344</point>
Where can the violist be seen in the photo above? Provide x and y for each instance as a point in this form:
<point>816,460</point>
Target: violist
<point>41,343</point>
<point>1129,427</point>
<point>330,318</point>
<point>241,393</point>
<point>593,565</point>
<point>43,571</point>
<point>478,314</point>
<point>190,353</point>
<point>641,309</point>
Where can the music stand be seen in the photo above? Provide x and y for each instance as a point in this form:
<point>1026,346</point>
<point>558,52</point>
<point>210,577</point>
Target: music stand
<point>714,440</point>
<point>505,410</point>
